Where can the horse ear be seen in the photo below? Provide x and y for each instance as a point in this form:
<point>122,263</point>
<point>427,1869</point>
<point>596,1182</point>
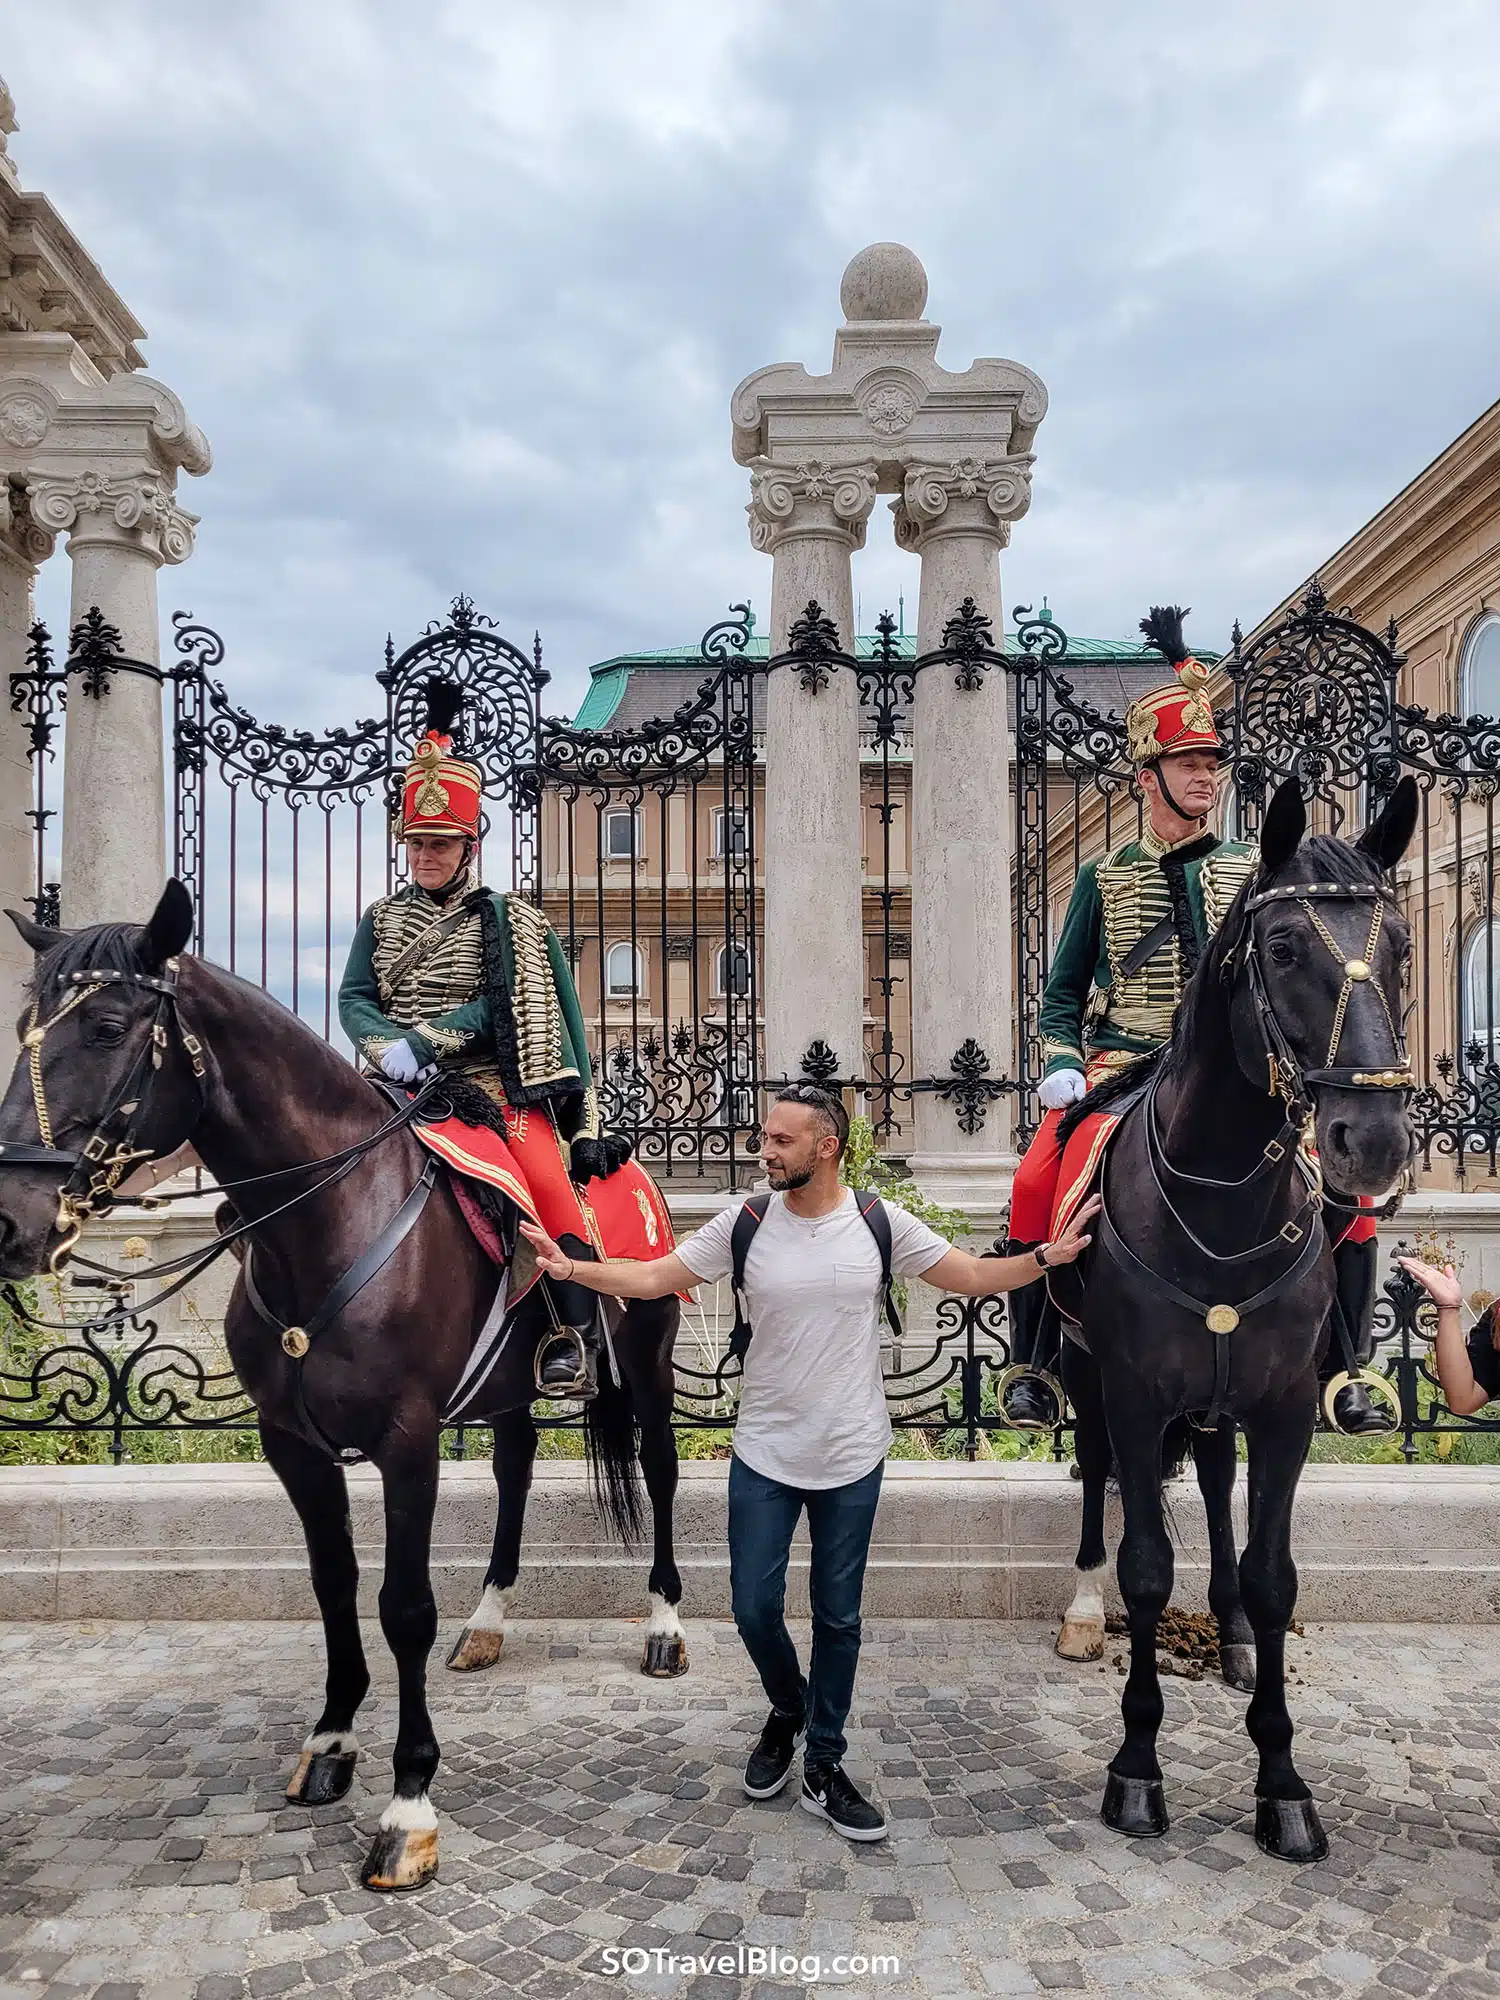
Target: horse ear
<point>171,924</point>
<point>1283,827</point>
<point>38,936</point>
<point>1386,841</point>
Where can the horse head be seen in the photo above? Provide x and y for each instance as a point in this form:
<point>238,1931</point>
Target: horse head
<point>1320,964</point>
<point>107,1075</point>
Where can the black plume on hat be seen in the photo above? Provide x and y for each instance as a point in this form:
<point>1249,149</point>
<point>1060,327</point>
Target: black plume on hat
<point>1162,626</point>
<point>444,700</point>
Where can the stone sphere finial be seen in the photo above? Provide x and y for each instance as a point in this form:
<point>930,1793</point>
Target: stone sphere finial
<point>885,281</point>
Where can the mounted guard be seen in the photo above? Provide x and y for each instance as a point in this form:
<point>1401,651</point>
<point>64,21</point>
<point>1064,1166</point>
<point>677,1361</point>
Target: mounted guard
<point>449,975</point>
<point>1136,927</point>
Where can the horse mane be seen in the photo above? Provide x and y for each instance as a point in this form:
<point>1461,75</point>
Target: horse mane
<point>1325,858</point>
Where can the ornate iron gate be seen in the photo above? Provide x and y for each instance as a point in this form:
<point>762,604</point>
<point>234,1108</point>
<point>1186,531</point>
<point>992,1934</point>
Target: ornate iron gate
<point>642,845</point>
<point>1314,697</point>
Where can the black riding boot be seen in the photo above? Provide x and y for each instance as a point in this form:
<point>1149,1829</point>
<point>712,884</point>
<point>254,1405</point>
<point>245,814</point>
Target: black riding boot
<point>567,1363</point>
<point>567,1355</point>
<point>1029,1396</point>
<point>1355,1411</point>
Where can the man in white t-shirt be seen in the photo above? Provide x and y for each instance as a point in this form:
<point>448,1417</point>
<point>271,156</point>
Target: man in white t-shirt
<point>813,1429</point>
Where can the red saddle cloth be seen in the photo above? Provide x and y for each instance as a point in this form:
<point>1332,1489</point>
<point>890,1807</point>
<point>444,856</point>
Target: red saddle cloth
<point>623,1216</point>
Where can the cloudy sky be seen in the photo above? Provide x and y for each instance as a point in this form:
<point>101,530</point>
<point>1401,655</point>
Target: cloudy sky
<point>459,292</point>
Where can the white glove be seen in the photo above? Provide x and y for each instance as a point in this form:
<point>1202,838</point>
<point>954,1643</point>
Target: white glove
<point>1062,1088</point>
<point>400,1062</point>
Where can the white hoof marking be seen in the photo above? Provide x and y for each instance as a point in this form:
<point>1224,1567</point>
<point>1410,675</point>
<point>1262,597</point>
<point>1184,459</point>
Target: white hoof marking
<point>332,1743</point>
<point>411,1815</point>
<point>663,1622</point>
<point>491,1612</point>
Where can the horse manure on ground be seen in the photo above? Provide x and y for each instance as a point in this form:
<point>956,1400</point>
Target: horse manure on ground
<point>1187,1642</point>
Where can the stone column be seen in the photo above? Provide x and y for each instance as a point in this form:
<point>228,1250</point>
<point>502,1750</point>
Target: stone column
<point>957,518</point>
<point>114,786</point>
<point>20,550</point>
<point>810,519</point>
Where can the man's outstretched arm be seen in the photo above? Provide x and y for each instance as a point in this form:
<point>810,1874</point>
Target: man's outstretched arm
<point>618,1277</point>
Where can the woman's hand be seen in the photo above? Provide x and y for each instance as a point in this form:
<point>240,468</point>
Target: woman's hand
<point>1075,1239</point>
<point>553,1261</point>
<point>1442,1287</point>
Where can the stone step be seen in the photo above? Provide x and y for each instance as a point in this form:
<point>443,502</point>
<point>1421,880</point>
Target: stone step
<point>951,1540</point>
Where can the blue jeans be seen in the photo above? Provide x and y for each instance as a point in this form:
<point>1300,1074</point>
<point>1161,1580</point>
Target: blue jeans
<point>762,1517</point>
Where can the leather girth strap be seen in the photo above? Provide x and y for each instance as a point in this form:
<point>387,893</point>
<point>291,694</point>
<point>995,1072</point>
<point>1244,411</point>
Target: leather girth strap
<point>348,1287</point>
<point>1126,1258</point>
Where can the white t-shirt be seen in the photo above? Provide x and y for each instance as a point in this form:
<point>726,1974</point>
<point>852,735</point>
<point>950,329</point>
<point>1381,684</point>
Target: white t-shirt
<point>812,1406</point>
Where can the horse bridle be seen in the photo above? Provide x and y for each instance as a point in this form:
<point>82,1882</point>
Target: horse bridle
<point>96,1169</point>
<point>1286,1076</point>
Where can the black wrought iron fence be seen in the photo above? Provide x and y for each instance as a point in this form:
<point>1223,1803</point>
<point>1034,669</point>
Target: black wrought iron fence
<point>643,845</point>
<point>123,1395</point>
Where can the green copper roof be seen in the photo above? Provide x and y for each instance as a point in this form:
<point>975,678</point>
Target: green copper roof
<point>608,679</point>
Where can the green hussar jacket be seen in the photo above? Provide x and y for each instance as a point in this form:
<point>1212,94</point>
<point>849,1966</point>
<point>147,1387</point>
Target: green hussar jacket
<point>1090,1004</point>
<point>491,996</point>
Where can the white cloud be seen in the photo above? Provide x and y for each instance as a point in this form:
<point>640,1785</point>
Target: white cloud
<point>460,294</point>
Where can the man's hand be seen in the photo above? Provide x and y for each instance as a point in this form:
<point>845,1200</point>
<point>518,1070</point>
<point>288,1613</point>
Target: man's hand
<point>1075,1239</point>
<point>400,1062</point>
<point>1062,1088</point>
<point>551,1259</point>
<point>1442,1287</point>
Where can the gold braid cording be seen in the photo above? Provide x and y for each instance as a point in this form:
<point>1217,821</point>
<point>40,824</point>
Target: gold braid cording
<point>538,1016</point>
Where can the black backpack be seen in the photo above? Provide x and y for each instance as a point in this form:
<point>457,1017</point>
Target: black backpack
<point>753,1214</point>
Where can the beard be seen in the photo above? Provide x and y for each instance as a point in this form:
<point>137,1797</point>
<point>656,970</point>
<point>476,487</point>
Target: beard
<point>789,1179</point>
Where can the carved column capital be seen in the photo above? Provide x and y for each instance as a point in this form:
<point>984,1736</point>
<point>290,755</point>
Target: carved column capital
<point>138,509</point>
<point>964,496</point>
<point>810,497</point>
<point>20,536</point>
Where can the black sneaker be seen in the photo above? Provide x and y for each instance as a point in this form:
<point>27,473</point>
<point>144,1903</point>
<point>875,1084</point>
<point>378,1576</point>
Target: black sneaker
<point>770,1762</point>
<point>831,1796</point>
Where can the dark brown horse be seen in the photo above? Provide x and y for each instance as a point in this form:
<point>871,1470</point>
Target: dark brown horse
<point>1207,1291</point>
<point>133,1049</point>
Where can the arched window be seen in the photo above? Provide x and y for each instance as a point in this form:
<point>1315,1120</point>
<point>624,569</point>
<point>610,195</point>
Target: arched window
<point>1481,990</point>
<point>624,971</point>
<point>1479,669</point>
<point>732,970</point>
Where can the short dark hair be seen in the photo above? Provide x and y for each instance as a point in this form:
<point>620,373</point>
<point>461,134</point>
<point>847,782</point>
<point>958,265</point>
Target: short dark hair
<point>816,1098</point>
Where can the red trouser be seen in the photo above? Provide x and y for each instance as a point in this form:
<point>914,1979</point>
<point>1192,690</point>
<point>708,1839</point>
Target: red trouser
<point>1033,1195</point>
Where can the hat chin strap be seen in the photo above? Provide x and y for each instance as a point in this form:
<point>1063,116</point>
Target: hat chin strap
<point>1188,819</point>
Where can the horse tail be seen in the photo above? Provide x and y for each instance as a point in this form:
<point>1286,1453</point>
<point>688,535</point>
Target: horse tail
<point>1176,1447</point>
<point>609,1444</point>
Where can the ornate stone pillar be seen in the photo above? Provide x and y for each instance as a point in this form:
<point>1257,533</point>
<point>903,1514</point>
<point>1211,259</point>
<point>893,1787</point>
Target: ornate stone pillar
<point>22,547</point>
<point>957,517</point>
<point>889,418</point>
<point>810,518</point>
<point>120,531</point>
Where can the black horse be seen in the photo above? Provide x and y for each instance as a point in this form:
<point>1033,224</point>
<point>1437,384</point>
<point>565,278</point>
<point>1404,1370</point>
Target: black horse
<point>1208,1289</point>
<point>131,1050</point>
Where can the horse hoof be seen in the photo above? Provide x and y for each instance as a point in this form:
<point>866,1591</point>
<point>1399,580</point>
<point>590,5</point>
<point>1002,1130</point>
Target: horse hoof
<point>321,1777</point>
<point>665,1656</point>
<point>1290,1829</point>
<point>1081,1639</point>
<point>1135,1806</point>
<point>1237,1665</point>
<point>399,1860</point>
<point>475,1649</point>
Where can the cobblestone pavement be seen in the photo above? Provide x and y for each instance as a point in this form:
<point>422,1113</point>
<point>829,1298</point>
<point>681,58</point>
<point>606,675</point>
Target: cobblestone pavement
<point>149,1851</point>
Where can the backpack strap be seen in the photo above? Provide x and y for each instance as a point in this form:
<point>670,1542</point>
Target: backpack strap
<point>752,1214</point>
<point>876,1219</point>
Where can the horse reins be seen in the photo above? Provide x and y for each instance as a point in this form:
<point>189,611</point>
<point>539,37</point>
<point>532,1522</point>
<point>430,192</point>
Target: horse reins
<point>1288,1080</point>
